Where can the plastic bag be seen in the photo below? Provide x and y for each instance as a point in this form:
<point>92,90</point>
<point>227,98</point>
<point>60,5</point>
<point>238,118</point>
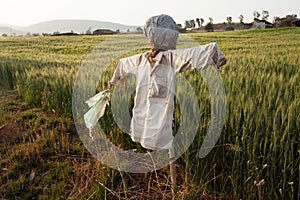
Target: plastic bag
<point>97,106</point>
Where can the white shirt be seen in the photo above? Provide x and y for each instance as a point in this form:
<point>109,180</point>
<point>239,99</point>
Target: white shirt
<point>151,124</point>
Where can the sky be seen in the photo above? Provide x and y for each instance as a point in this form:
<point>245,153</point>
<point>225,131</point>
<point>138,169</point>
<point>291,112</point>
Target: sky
<point>136,12</point>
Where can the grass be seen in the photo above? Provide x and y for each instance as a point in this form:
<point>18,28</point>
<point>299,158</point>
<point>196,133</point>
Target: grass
<point>257,156</point>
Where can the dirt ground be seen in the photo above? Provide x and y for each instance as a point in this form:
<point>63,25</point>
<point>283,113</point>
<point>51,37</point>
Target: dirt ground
<point>11,108</point>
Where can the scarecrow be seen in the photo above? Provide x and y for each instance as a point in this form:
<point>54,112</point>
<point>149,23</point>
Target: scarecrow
<point>155,71</point>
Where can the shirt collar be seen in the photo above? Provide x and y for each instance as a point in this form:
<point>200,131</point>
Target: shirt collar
<point>158,57</point>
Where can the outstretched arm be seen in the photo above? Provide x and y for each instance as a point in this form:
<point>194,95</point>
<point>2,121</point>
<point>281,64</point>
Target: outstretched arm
<point>199,57</point>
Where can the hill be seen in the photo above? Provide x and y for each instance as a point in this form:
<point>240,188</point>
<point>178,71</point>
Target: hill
<point>10,30</point>
<point>77,26</point>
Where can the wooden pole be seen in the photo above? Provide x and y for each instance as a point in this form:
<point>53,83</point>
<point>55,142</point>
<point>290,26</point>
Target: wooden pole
<point>173,170</point>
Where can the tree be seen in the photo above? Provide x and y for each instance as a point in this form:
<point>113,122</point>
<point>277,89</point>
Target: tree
<point>180,28</point>
<point>198,22</point>
<point>256,14</point>
<point>89,31</point>
<point>241,18</point>
<point>139,30</point>
<point>285,21</point>
<point>45,34</point>
<point>230,28</point>
<point>265,15</point>
<point>187,24</point>
<point>202,21</point>
<point>229,20</point>
<point>276,21</point>
<point>291,17</point>
<point>4,35</point>
<point>193,24</point>
<point>209,26</point>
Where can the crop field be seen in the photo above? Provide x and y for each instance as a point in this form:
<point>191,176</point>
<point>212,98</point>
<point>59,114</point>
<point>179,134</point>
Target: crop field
<point>256,157</point>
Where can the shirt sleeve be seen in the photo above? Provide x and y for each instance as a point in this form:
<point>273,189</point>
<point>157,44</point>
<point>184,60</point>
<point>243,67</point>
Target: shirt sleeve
<point>126,66</point>
<point>199,57</point>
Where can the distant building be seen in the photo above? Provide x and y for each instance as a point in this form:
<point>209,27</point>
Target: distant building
<point>104,32</point>
<point>296,22</point>
<point>64,34</point>
<point>258,23</point>
<point>248,25</point>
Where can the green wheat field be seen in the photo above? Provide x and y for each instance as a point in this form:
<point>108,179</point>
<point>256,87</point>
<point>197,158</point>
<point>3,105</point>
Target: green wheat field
<point>256,157</point>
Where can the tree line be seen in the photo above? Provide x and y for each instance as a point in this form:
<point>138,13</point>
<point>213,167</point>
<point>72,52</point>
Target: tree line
<point>264,16</point>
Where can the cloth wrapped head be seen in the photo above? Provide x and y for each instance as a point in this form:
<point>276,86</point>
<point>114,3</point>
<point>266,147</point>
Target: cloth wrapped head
<point>161,32</point>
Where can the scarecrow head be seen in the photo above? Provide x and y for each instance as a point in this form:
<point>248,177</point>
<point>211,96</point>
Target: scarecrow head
<point>161,32</point>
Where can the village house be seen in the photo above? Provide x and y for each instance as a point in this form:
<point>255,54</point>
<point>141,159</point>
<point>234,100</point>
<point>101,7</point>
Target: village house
<point>259,23</point>
<point>296,22</point>
<point>104,32</point>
